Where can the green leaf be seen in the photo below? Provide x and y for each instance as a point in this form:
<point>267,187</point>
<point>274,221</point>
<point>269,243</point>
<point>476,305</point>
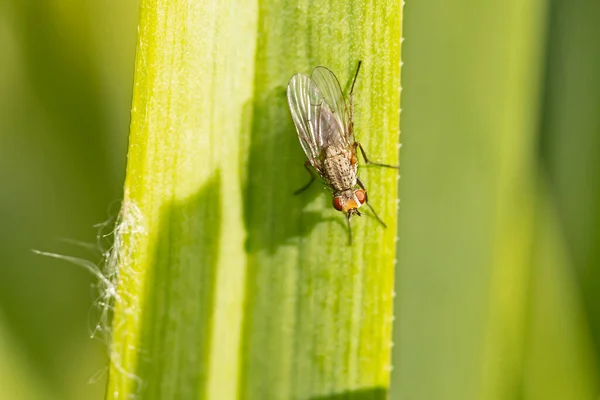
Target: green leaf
<point>467,220</point>
<point>228,286</point>
<point>18,376</point>
<point>560,362</point>
<point>570,146</point>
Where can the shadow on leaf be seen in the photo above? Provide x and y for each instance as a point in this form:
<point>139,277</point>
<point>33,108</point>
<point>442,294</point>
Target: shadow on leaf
<point>273,214</point>
<point>378,393</point>
<point>178,315</point>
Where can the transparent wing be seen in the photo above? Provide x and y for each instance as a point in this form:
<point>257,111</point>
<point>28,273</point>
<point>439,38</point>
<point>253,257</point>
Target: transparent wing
<point>305,103</point>
<point>318,124</point>
<point>339,120</point>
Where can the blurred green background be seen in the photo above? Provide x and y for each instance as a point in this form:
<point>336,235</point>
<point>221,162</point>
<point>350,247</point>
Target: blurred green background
<point>498,281</point>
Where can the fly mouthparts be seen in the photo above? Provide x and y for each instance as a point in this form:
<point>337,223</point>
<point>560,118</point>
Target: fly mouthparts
<point>353,211</point>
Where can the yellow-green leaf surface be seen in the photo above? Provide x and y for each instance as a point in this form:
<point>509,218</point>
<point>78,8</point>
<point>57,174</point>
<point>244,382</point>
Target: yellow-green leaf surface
<point>231,287</point>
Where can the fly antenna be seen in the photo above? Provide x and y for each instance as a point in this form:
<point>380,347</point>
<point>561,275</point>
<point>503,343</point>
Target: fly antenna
<point>355,76</point>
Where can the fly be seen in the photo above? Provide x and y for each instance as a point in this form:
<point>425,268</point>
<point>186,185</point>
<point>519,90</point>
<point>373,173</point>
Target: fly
<point>325,125</point>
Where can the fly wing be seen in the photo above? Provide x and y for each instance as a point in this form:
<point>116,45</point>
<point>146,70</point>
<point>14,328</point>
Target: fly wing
<point>335,118</point>
<point>305,103</point>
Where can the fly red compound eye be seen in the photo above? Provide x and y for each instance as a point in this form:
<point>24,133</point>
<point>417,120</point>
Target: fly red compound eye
<point>337,203</point>
<point>361,196</point>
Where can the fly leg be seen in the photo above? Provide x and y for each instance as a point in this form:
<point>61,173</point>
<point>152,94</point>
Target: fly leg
<point>351,123</point>
<point>369,204</point>
<point>367,161</point>
<point>312,178</point>
<point>351,101</point>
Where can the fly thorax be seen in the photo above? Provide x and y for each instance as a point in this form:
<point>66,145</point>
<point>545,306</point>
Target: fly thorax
<point>339,169</point>
<point>332,151</point>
